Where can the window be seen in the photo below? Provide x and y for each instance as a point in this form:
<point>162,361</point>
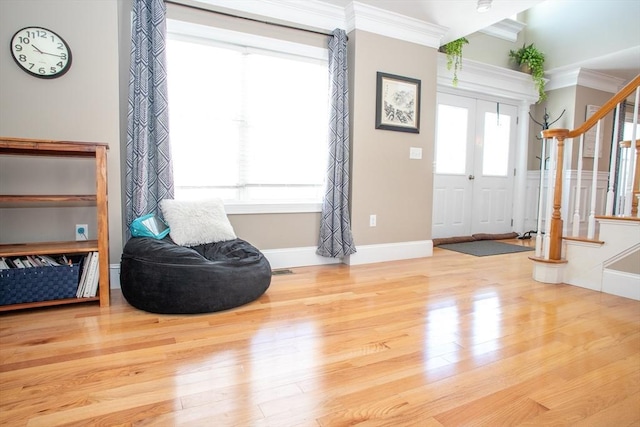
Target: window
<point>248,124</point>
<point>451,139</point>
<point>495,152</point>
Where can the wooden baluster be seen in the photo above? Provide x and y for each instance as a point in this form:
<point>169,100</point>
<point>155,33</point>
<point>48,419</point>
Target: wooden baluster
<point>555,238</point>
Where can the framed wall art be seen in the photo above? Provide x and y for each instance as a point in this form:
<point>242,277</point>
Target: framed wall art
<point>397,103</point>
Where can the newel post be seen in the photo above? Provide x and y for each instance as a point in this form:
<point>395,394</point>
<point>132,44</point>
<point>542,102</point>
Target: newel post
<point>555,232</point>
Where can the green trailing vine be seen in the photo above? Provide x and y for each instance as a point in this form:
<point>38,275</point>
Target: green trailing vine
<point>453,50</point>
<point>531,60</point>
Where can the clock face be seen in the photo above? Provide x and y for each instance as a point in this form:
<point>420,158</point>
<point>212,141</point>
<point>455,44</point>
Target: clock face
<point>41,52</point>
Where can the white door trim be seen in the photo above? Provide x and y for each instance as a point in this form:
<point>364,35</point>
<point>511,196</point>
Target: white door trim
<point>492,83</point>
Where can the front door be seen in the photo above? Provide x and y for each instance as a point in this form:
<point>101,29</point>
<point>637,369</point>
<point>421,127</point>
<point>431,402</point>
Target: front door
<point>474,174</point>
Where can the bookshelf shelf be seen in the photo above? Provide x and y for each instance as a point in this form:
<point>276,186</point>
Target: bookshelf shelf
<point>50,303</point>
<point>62,149</point>
<point>46,200</point>
<point>49,248</point>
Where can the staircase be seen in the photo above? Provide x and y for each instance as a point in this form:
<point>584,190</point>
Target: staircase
<point>609,264</point>
<point>606,256</point>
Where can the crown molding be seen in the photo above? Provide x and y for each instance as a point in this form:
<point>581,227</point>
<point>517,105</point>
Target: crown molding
<point>480,78</point>
<point>507,29</point>
<point>315,14</point>
<point>360,16</point>
<point>309,13</point>
<point>561,78</point>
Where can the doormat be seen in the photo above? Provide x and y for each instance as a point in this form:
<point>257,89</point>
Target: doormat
<point>477,236</point>
<point>485,248</point>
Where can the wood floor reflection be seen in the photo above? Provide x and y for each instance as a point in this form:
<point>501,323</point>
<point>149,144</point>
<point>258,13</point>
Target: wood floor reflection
<point>450,340</point>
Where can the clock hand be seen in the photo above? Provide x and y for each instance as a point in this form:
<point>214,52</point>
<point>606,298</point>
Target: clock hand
<point>46,53</point>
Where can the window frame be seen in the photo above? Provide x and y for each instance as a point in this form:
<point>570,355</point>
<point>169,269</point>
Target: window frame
<point>198,33</point>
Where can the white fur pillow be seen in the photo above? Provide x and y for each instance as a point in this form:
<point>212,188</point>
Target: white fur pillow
<point>195,222</point>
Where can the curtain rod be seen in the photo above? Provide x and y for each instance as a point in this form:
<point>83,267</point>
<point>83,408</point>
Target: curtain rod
<point>290,27</point>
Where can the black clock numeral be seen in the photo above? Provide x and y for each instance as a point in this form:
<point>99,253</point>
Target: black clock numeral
<point>24,40</point>
<point>22,58</point>
<point>63,56</point>
<point>52,70</point>
<point>42,70</point>
<point>31,65</point>
<point>18,48</point>
<point>37,34</point>
<point>60,46</point>
<point>60,64</point>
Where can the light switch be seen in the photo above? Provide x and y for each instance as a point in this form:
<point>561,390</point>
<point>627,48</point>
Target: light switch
<point>415,153</point>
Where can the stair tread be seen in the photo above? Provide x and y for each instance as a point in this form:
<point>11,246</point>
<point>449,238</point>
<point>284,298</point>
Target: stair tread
<point>620,218</point>
<point>584,239</point>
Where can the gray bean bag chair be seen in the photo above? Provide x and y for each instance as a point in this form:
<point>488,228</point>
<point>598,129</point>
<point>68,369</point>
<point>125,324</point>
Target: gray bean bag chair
<point>161,277</point>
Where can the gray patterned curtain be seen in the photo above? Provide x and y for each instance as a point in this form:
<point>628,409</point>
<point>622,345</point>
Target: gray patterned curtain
<point>335,239</point>
<point>149,173</point>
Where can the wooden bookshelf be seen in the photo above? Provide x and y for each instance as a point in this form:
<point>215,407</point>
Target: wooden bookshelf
<point>62,149</point>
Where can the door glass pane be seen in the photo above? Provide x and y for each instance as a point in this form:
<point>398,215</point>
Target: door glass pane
<point>451,140</point>
<point>495,152</point>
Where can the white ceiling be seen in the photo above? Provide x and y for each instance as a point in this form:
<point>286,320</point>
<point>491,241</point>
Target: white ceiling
<point>461,18</point>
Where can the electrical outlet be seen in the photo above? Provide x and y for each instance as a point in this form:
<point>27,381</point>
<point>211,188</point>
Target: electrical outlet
<point>372,220</point>
<point>82,232</point>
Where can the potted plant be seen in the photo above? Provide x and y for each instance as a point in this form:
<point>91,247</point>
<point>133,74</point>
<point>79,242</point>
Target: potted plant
<point>453,50</point>
<point>531,61</point>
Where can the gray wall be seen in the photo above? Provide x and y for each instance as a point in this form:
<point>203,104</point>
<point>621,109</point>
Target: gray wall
<point>574,100</point>
<point>385,182</point>
<point>557,100</point>
<point>82,105</point>
<point>491,50</point>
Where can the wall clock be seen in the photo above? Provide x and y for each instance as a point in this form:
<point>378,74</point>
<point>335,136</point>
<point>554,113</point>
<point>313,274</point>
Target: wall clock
<point>41,52</point>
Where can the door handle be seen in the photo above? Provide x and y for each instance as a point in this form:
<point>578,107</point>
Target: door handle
<point>471,177</point>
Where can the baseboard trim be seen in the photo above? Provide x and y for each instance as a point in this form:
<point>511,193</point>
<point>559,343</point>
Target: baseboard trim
<point>114,276</point>
<point>621,283</point>
<point>366,254</point>
<point>297,257</point>
<point>307,256</point>
<point>384,252</point>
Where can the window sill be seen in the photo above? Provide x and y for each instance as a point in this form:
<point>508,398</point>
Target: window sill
<point>271,208</point>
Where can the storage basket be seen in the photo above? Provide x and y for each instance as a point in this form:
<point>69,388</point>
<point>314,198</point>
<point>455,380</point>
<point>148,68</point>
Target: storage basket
<point>19,285</point>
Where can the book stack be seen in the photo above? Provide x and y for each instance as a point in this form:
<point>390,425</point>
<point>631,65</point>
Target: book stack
<point>28,261</point>
<point>88,285</point>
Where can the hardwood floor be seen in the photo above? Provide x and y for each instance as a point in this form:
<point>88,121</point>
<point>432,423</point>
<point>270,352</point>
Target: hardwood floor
<point>451,340</point>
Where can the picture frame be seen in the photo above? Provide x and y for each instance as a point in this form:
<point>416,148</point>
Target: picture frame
<point>397,103</point>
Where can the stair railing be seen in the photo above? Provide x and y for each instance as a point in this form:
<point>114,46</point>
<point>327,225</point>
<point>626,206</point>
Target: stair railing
<point>550,246</point>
